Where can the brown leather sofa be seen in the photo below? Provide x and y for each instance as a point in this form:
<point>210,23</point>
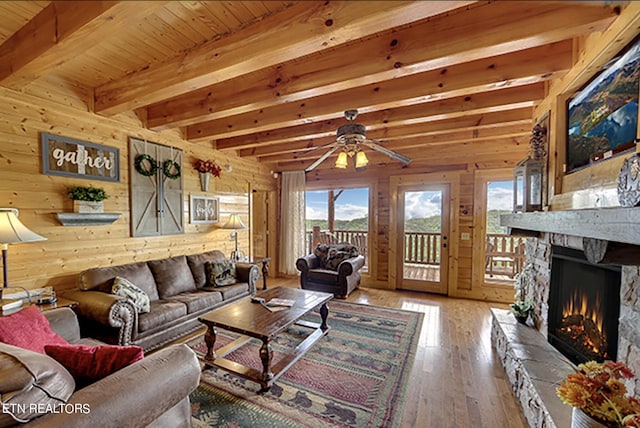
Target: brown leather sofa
<point>151,392</point>
<point>178,291</point>
<point>331,269</point>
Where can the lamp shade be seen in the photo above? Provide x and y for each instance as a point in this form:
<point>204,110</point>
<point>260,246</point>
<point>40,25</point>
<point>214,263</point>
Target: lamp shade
<point>361,160</point>
<point>12,231</point>
<point>234,222</point>
<point>342,160</point>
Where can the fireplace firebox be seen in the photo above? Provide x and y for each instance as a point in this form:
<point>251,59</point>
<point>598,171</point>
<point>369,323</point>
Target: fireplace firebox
<point>584,305</point>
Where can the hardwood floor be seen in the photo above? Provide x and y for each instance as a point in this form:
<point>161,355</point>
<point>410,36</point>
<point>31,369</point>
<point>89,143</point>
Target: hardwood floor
<point>457,380</point>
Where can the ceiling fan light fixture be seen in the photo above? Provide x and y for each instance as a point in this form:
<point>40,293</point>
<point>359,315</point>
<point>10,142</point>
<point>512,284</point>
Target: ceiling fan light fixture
<point>351,131</point>
<point>342,160</point>
<point>361,160</point>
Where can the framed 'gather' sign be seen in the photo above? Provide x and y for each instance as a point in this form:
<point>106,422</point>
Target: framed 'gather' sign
<point>75,158</point>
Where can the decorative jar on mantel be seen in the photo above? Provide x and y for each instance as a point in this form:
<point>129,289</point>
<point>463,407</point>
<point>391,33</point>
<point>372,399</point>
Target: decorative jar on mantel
<point>580,419</point>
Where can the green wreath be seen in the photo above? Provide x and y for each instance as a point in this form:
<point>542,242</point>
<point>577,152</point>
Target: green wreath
<point>142,170</point>
<point>166,168</point>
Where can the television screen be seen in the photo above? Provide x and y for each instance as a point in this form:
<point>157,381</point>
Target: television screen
<point>603,117</point>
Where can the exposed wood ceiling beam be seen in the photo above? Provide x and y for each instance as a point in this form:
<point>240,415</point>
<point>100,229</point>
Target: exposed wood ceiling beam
<point>59,32</point>
<point>518,68</point>
<point>300,30</point>
<point>499,100</point>
<point>456,37</point>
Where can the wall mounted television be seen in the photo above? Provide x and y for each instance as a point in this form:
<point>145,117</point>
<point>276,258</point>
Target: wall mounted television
<point>602,118</point>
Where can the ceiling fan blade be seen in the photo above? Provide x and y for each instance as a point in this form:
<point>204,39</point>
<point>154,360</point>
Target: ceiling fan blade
<point>313,149</point>
<point>395,155</point>
<point>371,140</point>
<point>321,159</point>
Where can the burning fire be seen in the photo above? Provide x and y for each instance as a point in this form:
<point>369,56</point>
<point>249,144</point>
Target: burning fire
<point>581,326</point>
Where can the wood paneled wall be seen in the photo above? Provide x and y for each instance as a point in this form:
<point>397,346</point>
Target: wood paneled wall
<point>58,108</point>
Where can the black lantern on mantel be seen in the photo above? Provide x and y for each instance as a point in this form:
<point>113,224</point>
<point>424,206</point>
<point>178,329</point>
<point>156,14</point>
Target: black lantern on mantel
<point>527,177</point>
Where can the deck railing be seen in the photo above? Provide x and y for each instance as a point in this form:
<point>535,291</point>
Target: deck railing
<point>424,247</point>
<point>504,255</point>
<point>354,237</point>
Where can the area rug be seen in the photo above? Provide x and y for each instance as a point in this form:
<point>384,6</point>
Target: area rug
<point>356,376</point>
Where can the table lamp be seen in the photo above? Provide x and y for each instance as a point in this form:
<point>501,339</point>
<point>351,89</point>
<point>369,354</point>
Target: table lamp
<point>235,223</point>
<point>12,231</point>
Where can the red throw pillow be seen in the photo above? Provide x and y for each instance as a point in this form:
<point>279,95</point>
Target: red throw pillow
<point>88,364</point>
<point>28,329</point>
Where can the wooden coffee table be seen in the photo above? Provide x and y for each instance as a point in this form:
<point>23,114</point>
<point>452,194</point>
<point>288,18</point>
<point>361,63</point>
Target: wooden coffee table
<point>253,320</point>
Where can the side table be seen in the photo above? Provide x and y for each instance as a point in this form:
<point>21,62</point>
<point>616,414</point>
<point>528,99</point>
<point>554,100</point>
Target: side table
<point>265,268</point>
<point>60,303</point>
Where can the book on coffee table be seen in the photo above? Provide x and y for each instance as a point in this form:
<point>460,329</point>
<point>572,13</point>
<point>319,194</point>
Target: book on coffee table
<point>280,302</point>
<point>275,305</point>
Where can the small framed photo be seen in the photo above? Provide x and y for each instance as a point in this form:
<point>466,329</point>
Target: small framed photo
<point>204,209</point>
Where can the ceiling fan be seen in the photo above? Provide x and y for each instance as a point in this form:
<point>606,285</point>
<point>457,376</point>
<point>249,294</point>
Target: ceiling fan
<point>349,141</point>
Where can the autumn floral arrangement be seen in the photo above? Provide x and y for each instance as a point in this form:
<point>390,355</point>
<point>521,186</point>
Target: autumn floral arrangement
<point>209,166</point>
<point>597,389</point>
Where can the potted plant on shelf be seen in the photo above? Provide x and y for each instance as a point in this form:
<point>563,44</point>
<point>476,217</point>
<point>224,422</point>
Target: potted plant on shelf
<point>87,199</point>
<point>521,310</point>
<point>206,168</point>
<point>599,397</point>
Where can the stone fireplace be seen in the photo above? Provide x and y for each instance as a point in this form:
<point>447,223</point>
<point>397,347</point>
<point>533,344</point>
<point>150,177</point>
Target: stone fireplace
<point>539,253</point>
<point>534,367</point>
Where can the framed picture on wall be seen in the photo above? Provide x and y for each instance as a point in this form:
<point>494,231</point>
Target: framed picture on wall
<point>204,209</point>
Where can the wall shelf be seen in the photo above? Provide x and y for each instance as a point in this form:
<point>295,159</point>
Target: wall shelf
<point>87,219</point>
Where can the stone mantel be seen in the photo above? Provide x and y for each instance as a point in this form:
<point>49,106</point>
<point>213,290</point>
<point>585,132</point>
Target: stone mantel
<point>608,224</point>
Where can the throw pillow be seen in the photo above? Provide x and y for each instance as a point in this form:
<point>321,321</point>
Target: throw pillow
<point>172,276</point>
<point>335,258</point>
<point>123,287</point>
<point>221,272</point>
<point>88,364</point>
<point>197,264</point>
<point>30,384</point>
<point>322,253</point>
<point>28,329</point>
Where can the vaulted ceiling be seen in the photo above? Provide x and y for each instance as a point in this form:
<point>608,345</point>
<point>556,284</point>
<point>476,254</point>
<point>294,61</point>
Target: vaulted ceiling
<point>271,79</point>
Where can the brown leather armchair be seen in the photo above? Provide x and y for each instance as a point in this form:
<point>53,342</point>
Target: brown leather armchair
<point>331,269</point>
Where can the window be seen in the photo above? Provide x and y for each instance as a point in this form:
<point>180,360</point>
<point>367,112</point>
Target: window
<point>504,254</point>
<point>338,215</point>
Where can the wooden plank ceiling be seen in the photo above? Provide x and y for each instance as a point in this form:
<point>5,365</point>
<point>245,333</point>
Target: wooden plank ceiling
<point>271,79</point>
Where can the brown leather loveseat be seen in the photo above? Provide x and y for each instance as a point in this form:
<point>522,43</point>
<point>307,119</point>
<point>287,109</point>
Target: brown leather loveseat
<point>151,392</point>
<point>178,291</point>
<point>332,268</point>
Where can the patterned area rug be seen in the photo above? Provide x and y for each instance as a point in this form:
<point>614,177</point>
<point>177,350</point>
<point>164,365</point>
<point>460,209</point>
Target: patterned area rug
<point>355,376</point>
